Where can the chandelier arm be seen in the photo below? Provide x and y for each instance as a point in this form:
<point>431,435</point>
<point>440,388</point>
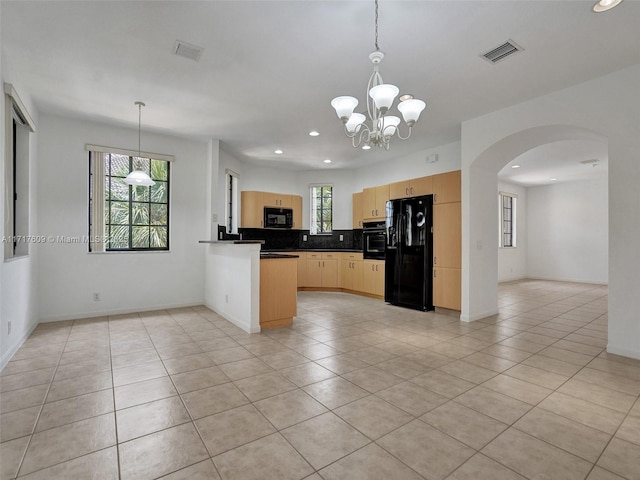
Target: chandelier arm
<point>400,136</point>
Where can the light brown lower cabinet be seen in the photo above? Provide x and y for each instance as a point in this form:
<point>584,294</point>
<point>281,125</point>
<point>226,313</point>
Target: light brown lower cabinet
<point>447,285</point>
<point>322,270</point>
<point>351,271</point>
<point>278,291</point>
<point>302,267</point>
<point>373,277</point>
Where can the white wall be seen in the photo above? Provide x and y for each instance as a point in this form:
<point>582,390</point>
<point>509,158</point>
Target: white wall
<point>606,108</point>
<point>126,282</point>
<point>18,277</point>
<point>512,262</point>
<point>568,240</point>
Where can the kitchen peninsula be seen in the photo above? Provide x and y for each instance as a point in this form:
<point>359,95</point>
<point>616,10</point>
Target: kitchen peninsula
<point>251,290</point>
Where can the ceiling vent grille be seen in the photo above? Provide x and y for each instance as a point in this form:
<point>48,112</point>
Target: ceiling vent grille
<point>593,162</point>
<point>503,51</point>
<point>187,50</point>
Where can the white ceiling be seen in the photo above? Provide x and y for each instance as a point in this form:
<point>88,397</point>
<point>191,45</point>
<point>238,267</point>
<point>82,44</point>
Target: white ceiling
<point>270,68</point>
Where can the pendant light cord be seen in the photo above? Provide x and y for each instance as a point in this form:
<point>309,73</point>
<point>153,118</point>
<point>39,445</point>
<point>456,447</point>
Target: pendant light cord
<point>139,126</point>
<point>376,23</point>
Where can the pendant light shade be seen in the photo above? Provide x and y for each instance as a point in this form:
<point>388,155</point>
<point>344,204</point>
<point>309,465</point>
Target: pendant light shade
<point>411,109</point>
<point>344,106</point>
<point>138,177</point>
<point>355,122</point>
<point>383,96</point>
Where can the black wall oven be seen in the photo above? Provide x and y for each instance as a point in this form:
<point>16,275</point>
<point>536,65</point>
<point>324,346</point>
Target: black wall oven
<point>374,240</point>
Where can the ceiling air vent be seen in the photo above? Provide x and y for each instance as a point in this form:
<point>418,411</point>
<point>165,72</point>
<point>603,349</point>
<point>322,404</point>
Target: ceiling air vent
<point>184,49</point>
<point>593,162</point>
<point>503,51</point>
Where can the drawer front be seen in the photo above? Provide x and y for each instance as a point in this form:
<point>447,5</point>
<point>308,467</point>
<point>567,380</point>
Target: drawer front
<point>314,256</point>
<point>330,255</point>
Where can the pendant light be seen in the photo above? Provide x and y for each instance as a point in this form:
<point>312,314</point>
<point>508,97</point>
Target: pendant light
<point>138,177</point>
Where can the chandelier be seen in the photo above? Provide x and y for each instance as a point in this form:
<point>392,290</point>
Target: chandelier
<point>380,97</point>
<point>138,177</point>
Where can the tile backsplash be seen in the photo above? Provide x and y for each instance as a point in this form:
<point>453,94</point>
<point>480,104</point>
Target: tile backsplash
<point>295,239</point>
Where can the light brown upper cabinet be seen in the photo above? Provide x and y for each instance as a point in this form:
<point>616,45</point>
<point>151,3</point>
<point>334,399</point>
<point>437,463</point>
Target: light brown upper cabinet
<point>252,209</point>
<point>447,187</point>
<point>374,203</point>
<point>277,200</point>
<point>357,210</point>
<point>411,188</point>
<point>296,205</point>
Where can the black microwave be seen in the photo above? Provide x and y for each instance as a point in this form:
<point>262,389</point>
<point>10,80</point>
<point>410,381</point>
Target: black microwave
<point>278,217</point>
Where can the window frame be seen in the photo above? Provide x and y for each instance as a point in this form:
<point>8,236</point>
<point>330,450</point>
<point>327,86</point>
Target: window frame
<point>511,212</point>
<point>99,245</point>
<point>231,201</point>
<point>312,210</point>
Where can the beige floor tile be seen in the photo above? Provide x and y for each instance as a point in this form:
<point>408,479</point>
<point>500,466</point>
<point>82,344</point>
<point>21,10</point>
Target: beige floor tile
<point>412,398</point>
<point>23,398</point>
<point>468,372</point>
<point>402,367</point>
<point>324,439</point>
<point>30,364</point>
<point>452,350</point>
<point>217,344</point>
<point>630,430</point>
<point>599,395</point>
<point>306,373</point>
<point>264,386</point>
<point>161,453</point>
<point>373,416</point>
<point>426,450</point>
<point>335,392</point>
<point>585,442</point>
<point>60,444</point>
<point>176,351</point>
<point>24,380</point>
<point>480,467</point>
<point>501,407</point>
<point>284,359</point>
<point>341,364</point>
<point>150,417</point>
<point>18,423</point>
<point>534,458</point>
<point>464,424</point>
<point>443,383</point>
<point>552,365</point>
<point>289,408</point>
<point>24,352</point>
<point>268,457</point>
<point>232,428</point>
<point>73,370</point>
<point>372,378</point>
<point>208,401</point>
<point>138,373</point>
<point>490,362</point>
<point>369,463</point>
<point>521,344</point>
<point>601,474</point>
<point>199,379</point>
<point>372,355</point>
<point>608,380</point>
<point>73,409</point>
<point>428,358</point>
<point>205,470</point>
<point>566,355</point>
<point>244,368</point>
<point>578,347</point>
<point>587,413</point>
<point>228,355</point>
<point>621,457</point>
<point>143,392</point>
<point>627,370</point>
<point>124,360</point>
<point>537,376</point>
<point>79,386</point>
<point>518,389</point>
<point>11,454</point>
<point>102,464</point>
<point>188,363</point>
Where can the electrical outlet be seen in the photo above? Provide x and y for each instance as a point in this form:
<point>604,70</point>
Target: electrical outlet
<point>220,235</point>
<point>9,328</point>
<point>342,238</point>
<point>96,297</point>
<point>304,238</point>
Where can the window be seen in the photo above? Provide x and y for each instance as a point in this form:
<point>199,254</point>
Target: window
<point>321,209</point>
<point>16,226</point>
<point>124,217</point>
<point>231,201</point>
<point>507,207</point>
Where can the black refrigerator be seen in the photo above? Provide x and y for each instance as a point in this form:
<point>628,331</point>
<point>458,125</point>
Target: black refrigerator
<point>409,252</point>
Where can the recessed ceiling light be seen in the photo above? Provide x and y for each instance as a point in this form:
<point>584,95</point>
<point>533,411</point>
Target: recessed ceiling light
<point>327,161</point>
<point>314,133</point>
<point>366,147</point>
<point>406,96</point>
<point>604,5</point>
<point>515,166</point>
<point>553,179</point>
<point>278,152</point>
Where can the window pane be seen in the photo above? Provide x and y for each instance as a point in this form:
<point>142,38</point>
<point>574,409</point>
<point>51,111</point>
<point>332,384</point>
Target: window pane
<point>140,193</point>
<point>119,213</point>
<point>140,237</point>
<point>119,237</point>
<point>117,190</point>
<point>159,192</point>
<point>140,213</point>
<point>159,214</point>
<point>159,170</point>
<point>141,164</point>
<point>119,165</point>
<point>158,237</point>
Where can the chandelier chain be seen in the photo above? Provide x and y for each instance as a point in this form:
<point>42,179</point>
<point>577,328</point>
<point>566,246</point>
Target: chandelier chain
<point>376,23</point>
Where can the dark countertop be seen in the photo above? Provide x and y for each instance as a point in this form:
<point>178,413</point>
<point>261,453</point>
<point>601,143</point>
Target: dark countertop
<point>346,250</point>
<point>233,242</point>
<point>276,255</point>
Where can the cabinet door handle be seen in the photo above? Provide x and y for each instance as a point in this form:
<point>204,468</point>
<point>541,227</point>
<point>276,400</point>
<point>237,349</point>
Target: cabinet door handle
<point>435,197</point>
<point>406,191</point>
<point>434,274</point>
<point>411,190</point>
<point>435,260</point>
<point>318,263</point>
<point>373,213</point>
<point>323,264</point>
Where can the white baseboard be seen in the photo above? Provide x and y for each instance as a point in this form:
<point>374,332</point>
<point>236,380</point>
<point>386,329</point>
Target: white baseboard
<point>623,352</point>
<point>478,316</point>
<point>117,311</point>
<point>6,356</point>
<point>568,280</point>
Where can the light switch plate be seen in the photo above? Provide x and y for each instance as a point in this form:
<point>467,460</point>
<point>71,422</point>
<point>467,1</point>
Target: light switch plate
<point>342,238</point>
